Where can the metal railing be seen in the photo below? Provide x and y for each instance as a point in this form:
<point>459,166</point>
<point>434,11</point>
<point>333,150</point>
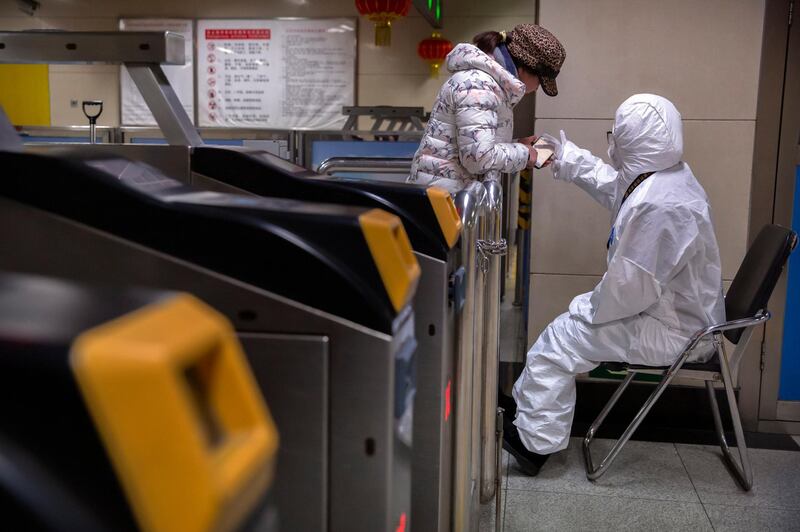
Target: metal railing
<point>475,464</point>
<point>277,141</point>
<point>67,134</point>
<point>469,203</point>
<point>393,165</point>
<point>510,182</point>
<point>295,145</point>
<point>491,249</point>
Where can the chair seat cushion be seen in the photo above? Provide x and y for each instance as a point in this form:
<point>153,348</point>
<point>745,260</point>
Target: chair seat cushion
<point>711,365</point>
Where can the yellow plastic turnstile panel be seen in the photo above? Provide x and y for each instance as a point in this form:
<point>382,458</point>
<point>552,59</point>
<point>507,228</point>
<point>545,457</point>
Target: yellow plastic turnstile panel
<point>180,414</point>
<point>25,94</point>
<point>445,210</point>
<point>388,243</point>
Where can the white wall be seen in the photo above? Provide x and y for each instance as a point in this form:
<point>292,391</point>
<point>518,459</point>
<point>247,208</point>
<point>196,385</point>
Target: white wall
<point>705,57</point>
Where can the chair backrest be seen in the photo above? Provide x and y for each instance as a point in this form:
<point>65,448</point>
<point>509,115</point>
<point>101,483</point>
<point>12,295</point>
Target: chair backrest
<point>758,275</point>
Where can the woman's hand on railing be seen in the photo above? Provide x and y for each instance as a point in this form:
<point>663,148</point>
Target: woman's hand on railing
<point>532,156</point>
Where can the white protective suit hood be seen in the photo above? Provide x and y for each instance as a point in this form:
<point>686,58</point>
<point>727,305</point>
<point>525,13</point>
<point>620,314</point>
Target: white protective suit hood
<point>647,137</point>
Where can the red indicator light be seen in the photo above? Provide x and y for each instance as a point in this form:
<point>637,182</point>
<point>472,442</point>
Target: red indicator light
<point>401,527</point>
<point>447,401</point>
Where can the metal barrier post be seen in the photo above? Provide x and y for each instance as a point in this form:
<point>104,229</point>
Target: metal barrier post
<point>513,209</point>
<point>498,494</point>
<point>490,249</point>
<point>468,202</point>
<point>519,285</point>
<point>505,180</point>
<point>523,240</point>
<point>479,293</point>
<point>510,183</point>
<point>396,165</point>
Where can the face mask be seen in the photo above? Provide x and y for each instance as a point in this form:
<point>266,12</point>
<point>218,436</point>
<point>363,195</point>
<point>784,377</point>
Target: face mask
<point>612,154</point>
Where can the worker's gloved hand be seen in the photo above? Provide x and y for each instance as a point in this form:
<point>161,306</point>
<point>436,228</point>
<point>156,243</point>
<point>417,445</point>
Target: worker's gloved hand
<point>558,151</point>
<point>557,145</point>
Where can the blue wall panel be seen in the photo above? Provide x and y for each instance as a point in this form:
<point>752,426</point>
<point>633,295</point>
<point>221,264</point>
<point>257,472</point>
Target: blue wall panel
<point>790,354</point>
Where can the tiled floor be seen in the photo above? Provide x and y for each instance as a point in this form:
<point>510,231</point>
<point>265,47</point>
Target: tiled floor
<point>652,486</point>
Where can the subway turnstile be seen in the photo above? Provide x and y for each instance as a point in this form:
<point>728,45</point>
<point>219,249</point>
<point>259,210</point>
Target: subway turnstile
<point>433,227</point>
<point>319,297</point>
<point>112,417</point>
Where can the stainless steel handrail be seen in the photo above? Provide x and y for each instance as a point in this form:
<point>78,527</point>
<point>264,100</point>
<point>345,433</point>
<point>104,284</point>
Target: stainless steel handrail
<point>479,294</point>
<point>392,165</point>
<point>215,132</point>
<point>249,136</point>
<point>109,134</point>
<point>510,182</point>
<point>519,280</point>
<point>490,347</point>
<point>475,453</point>
<point>469,203</point>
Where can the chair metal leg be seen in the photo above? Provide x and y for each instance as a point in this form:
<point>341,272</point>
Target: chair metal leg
<point>718,428</point>
<point>593,473</point>
<point>744,473</point>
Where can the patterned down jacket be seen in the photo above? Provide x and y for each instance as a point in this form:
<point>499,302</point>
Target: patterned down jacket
<point>469,133</point>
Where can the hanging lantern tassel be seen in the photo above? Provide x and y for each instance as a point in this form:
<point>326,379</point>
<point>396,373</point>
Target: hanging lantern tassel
<point>383,29</point>
<point>434,50</point>
<point>382,13</point>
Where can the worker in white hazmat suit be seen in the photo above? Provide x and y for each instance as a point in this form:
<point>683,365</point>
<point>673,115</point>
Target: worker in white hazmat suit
<point>664,280</point>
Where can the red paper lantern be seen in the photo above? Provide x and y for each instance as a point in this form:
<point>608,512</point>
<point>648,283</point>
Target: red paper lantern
<point>434,50</point>
<point>382,13</point>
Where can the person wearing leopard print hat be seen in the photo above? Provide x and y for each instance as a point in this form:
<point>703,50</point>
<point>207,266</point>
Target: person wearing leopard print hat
<point>468,136</point>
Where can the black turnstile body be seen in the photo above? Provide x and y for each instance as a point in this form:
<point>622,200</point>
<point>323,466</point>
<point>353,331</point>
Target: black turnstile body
<point>334,357</point>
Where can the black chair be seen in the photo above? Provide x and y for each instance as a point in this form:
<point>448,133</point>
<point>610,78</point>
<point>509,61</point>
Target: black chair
<point>746,309</point>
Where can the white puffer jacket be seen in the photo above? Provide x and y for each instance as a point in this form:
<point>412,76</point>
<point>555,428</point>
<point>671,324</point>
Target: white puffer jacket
<point>469,133</point>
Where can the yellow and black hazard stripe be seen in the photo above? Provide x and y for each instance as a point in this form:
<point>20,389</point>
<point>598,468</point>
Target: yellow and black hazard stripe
<point>524,216</point>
